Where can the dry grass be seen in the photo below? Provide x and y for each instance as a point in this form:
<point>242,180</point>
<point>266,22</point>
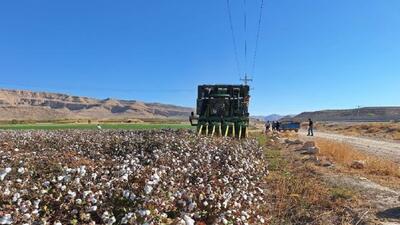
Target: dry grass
<point>299,197</point>
<point>297,194</point>
<point>289,135</point>
<point>346,154</point>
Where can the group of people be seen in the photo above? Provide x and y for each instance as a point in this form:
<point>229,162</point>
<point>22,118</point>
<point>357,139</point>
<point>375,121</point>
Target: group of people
<point>275,125</point>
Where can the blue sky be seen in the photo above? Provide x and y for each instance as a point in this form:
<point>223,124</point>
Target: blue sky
<point>312,54</point>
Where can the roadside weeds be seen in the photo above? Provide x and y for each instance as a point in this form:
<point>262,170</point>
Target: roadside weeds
<point>299,195</point>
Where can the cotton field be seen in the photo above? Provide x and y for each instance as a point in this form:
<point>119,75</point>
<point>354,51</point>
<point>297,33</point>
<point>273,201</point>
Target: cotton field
<point>130,177</point>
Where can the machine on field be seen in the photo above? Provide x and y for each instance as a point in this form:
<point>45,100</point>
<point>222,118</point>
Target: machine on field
<point>222,110</point>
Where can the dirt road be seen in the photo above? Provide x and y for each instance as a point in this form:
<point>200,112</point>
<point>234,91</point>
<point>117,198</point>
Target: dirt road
<point>383,199</point>
<point>385,149</point>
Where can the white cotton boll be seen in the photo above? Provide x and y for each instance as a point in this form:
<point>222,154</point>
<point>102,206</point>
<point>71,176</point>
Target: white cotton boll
<point>148,189</point>
<point>181,222</point>
<point>4,173</point>
<point>132,197</point>
<point>16,196</point>
<point>46,184</point>
<point>126,194</point>
<point>86,193</point>
<point>24,208</point>
<point>111,220</point>
<point>205,203</point>
<point>125,177</point>
<point>78,201</point>
<point>77,180</point>
<point>21,170</point>
<point>105,216</point>
<point>126,218</point>
<point>6,219</point>
<point>16,150</point>
<point>82,171</point>
<point>92,209</point>
<point>63,188</point>
<point>67,179</point>
<point>7,192</point>
<point>188,220</point>
<point>192,206</point>
<point>142,213</point>
<point>93,200</point>
<point>72,194</point>
<point>60,178</point>
<point>36,203</point>
<point>27,216</point>
<point>57,223</point>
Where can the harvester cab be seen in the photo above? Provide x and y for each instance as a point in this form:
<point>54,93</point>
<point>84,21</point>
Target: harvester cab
<point>222,110</point>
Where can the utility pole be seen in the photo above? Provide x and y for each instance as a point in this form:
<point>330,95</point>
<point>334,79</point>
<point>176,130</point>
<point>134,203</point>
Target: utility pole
<point>246,79</point>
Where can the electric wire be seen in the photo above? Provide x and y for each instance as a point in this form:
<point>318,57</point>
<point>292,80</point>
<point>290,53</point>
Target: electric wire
<point>235,49</point>
<point>245,34</point>
<point>257,37</point>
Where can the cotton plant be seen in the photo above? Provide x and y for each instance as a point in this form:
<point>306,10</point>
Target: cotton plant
<point>146,177</point>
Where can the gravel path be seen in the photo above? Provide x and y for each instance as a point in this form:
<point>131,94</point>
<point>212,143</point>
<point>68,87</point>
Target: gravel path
<point>385,149</point>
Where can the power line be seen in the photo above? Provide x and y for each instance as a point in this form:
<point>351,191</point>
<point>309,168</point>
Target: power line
<point>257,37</point>
<point>245,34</point>
<point>235,49</point>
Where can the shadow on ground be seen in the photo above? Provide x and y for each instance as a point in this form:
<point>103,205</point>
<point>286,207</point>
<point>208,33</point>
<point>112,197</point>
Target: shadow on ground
<point>393,213</point>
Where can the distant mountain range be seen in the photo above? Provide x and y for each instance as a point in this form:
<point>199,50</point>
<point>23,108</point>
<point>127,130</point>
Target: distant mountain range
<point>379,114</point>
<point>41,106</point>
<point>272,117</point>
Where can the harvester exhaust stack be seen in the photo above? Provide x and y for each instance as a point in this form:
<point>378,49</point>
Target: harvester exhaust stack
<point>222,110</point>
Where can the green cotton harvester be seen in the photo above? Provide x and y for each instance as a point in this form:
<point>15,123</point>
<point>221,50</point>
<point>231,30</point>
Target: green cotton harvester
<point>222,110</point>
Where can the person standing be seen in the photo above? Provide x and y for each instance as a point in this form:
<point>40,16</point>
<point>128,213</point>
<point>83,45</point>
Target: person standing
<point>278,126</point>
<point>310,128</point>
<point>267,126</point>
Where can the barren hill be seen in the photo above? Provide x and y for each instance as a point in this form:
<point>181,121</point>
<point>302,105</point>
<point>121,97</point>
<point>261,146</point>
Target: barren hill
<point>363,114</point>
<point>28,105</point>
